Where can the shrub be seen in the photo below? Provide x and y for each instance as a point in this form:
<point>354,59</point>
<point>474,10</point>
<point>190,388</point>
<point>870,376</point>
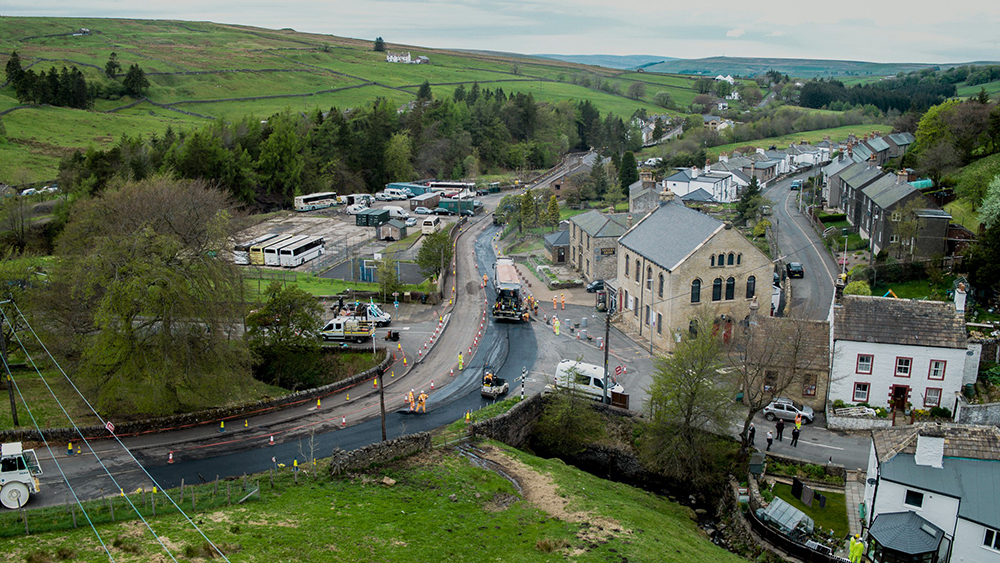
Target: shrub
<point>857,288</point>
<point>941,412</point>
<point>548,546</point>
<point>839,404</point>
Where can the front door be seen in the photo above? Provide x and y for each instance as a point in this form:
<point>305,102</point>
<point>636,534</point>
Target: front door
<point>562,255</point>
<point>899,394</point>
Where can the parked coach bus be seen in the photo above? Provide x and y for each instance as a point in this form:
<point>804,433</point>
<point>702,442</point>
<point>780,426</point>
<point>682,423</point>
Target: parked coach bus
<point>300,253</point>
<point>271,256</point>
<point>320,200</point>
<point>257,250</point>
<point>241,252</point>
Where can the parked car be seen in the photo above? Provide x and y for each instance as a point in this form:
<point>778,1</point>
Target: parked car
<point>411,222</point>
<point>595,286</point>
<point>795,270</point>
<point>423,211</point>
<point>787,409</point>
<point>796,185</point>
<point>382,196</point>
<point>482,192</point>
<point>777,279</point>
<point>468,213</point>
<point>442,211</point>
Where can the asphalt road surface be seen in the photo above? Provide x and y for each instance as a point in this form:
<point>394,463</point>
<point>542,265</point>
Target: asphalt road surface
<point>812,295</point>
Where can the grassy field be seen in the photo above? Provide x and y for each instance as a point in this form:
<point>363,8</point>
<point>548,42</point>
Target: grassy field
<point>440,507</point>
<point>833,517</point>
<point>992,88</point>
<point>917,289</point>
<point>835,133</point>
<point>963,214</point>
<point>316,285</point>
<point>207,64</point>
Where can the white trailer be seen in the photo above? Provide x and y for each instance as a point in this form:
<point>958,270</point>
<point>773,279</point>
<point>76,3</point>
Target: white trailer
<point>19,469</point>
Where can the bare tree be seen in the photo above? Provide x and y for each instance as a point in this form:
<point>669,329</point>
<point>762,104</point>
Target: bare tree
<point>770,355</point>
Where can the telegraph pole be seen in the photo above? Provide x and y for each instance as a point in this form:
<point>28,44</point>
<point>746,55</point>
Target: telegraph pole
<point>10,380</point>
<point>607,333</point>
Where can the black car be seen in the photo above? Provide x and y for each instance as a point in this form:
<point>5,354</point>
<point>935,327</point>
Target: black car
<point>442,211</point>
<point>795,270</point>
<point>467,213</point>
<point>595,286</point>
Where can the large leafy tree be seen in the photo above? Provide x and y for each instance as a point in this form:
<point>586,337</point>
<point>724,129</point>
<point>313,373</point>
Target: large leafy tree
<point>144,302</point>
<point>282,332</point>
<point>434,254</point>
<point>135,81</point>
<point>689,399</point>
<point>379,45</point>
<point>112,68</point>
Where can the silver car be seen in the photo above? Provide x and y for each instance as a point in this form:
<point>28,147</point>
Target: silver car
<point>787,409</point>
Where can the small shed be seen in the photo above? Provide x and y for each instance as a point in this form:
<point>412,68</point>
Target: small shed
<point>391,230</point>
<point>557,245</point>
<point>428,199</point>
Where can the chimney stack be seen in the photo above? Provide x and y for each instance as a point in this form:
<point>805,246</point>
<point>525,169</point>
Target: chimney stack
<point>960,295</point>
<point>628,222</point>
<point>666,196</point>
<point>694,172</point>
<point>901,176</point>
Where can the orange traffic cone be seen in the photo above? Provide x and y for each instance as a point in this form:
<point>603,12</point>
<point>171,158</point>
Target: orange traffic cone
<point>343,421</point>
<point>404,361</point>
<point>170,457</point>
<point>319,404</point>
<point>375,383</point>
<point>432,385</point>
<point>271,441</point>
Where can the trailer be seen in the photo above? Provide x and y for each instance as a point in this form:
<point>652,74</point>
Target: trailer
<point>19,470</point>
<point>509,303</point>
<point>493,386</point>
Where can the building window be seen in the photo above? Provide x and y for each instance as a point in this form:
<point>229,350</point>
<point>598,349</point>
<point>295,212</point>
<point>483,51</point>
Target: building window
<point>865,363</point>
<point>627,301</point>
<point>649,278</point>
<point>936,370</point>
<point>914,498</point>
<point>647,314</point>
<point>732,259</point>
<point>717,289</point>
<point>896,217</point>
<point>861,392</point>
<point>626,265</point>
<point>722,260</point>
<point>809,385</point>
<point>932,397</point>
<point>991,539</point>
<point>893,239</point>
<point>588,266</point>
<point>903,367</point>
<point>696,291</point>
<point>730,289</point>
<point>660,289</point>
<point>659,323</point>
<point>770,381</point>
<point>636,270</point>
<point>713,260</point>
<point>751,287</point>
<point>739,258</point>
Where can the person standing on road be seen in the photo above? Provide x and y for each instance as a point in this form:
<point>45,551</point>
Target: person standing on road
<point>409,399</point>
<point>780,427</point>
<point>795,437</point>
<point>562,296</point>
<point>422,402</point>
<point>770,440</point>
<point>798,421</point>
<point>553,302</point>
<point>751,434</point>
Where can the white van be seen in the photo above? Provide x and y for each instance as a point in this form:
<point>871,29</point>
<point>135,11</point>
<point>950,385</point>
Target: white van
<point>396,193</point>
<point>585,379</point>
<point>431,225</point>
<point>356,208</point>
<point>397,212</point>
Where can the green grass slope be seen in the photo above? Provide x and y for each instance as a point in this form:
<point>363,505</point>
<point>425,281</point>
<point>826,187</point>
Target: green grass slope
<point>223,71</point>
<point>440,508</point>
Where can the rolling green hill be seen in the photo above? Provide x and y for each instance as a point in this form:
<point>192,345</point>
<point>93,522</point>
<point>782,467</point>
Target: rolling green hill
<point>800,68</point>
<point>202,71</point>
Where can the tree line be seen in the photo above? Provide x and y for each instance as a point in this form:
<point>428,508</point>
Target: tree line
<point>266,163</point>
<point>68,87</point>
<point>899,95</point>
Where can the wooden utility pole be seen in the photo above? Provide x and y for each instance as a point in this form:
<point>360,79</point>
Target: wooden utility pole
<point>10,380</point>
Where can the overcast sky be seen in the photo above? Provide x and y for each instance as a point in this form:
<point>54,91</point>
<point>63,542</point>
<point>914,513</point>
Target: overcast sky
<point>878,30</point>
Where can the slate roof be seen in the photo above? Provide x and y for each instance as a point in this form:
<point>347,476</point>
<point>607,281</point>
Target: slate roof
<point>970,467</point>
<point>740,175</point>
<point>877,144</point>
<point>396,223</point>
<point>887,196</point>
<point>861,175</point>
<point>685,229</point>
<point>837,166</point>
<point>640,187</point>
<point>933,213</point>
<point>597,224</point>
<point>906,532</point>
<point>701,194</point>
<point>903,322</point>
<point>902,139</point>
<point>558,238</point>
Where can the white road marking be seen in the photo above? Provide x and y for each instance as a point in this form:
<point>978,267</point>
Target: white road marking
<point>823,446</point>
<point>806,237</point>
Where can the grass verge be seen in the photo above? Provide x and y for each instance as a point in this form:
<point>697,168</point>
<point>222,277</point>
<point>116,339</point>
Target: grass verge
<point>833,517</point>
